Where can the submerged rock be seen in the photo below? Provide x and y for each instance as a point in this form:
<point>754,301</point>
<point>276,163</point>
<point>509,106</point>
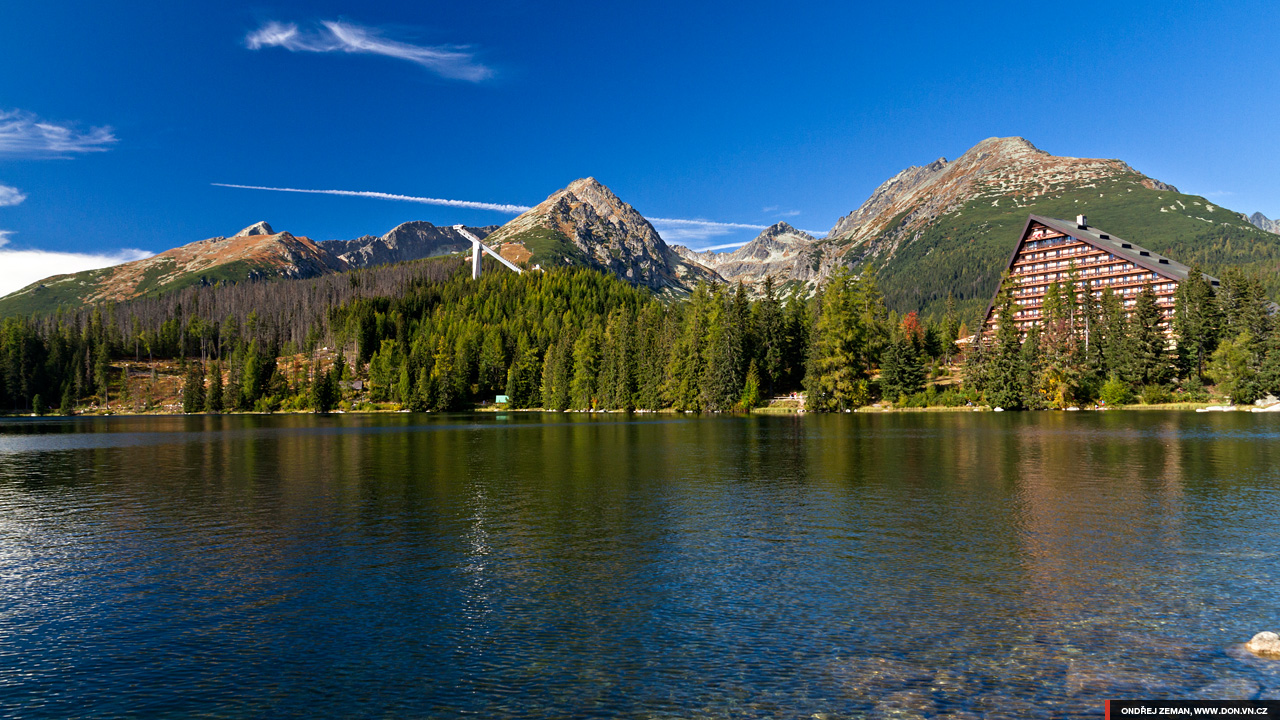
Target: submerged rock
<point>1264,644</point>
<point>904,705</point>
<point>868,676</point>
<point>1236,688</point>
<point>1161,647</point>
<point>949,682</point>
<point>1099,678</point>
<point>1003,707</point>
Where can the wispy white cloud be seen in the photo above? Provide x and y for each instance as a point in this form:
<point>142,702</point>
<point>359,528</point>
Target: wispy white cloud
<point>453,62</point>
<point>469,204</point>
<point>725,246</point>
<point>693,232</point>
<point>678,230</point>
<point>20,268</point>
<point>10,196</point>
<point>22,133</point>
<point>777,211</point>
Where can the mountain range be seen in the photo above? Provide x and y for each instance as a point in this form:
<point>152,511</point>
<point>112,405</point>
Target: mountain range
<point>256,252</point>
<point>931,231</point>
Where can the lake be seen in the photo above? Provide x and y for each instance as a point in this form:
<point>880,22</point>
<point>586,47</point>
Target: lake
<point>646,566</point>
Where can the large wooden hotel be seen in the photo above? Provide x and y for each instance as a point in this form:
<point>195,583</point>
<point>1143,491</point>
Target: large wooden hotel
<point>1050,249</point>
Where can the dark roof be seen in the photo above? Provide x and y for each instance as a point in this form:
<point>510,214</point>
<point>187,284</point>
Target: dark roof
<point>1135,254</point>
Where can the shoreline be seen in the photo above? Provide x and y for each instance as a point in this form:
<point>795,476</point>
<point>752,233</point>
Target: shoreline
<point>865,410</point>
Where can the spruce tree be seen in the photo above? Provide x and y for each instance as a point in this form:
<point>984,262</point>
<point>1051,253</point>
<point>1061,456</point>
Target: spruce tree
<point>891,361</point>
<point>1005,373</point>
<point>583,387</point>
<point>443,377</point>
<point>836,379</point>
<point>1148,345</point>
<point>1196,323</point>
<point>750,397</point>
<point>491,371</point>
<point>722,377</point>
<point>193,389</point>
<point>214,399</point>
<point>770,331</point>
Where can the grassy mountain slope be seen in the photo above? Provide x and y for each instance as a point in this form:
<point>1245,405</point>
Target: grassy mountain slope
<point>950,226</point>
<point>965,251</point>
<point>254,252</point>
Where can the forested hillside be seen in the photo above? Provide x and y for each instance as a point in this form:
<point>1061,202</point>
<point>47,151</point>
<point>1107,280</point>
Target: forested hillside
<point>423,335</point>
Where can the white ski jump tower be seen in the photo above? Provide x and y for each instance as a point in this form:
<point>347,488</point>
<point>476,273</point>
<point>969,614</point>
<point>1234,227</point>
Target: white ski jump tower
<point>478,249</point>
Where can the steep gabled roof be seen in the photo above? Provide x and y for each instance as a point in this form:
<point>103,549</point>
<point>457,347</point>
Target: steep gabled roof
<point>1106,242</point>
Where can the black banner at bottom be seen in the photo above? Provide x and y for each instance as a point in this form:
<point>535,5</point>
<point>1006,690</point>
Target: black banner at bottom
<point>1117,709</point>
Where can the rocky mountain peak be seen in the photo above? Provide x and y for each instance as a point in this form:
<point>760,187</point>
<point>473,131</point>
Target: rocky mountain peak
<point>258,228</point>
<point>1006,146</point>
<point>586,223</point>
<point>1262,222</point>
<point>778,228</point>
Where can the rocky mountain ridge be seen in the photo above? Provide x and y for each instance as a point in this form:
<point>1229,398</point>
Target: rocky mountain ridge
<point>255,252</point>
<point>407,241</point>
<point>781,251</point>
<point>1010,169</point>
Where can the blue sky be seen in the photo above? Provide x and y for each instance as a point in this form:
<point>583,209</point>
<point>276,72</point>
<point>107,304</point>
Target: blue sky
<point>116,121</point>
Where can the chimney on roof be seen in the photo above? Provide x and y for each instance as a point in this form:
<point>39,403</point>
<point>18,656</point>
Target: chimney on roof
<point>1082,222</point>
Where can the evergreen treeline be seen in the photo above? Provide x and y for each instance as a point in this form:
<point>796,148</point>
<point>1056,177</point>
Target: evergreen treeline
<point>1094,348</point>
<point>425,336</point>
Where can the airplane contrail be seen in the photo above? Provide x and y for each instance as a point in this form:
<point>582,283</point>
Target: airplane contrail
<point>496,207</point>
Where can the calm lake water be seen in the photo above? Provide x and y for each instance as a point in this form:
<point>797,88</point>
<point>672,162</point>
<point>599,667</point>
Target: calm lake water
<point>556,566</point>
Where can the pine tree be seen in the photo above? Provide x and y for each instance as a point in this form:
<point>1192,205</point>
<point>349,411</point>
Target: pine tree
<point>1036,378</point>
<point>214,400</point>
<point>404,386</point>
<point>1148,346</point>
<point>324,389</point>
<point>770,331</point>
<point>193,389</point>
<point>836,379</point>
<point>685,371</point>
<point>523,377</point>
<point>651,362</point>
<point>891,370</point>
<point>557,372</point>
<point>1196,323</point>
<point>1005,373</point>
<point>583,387</point>
<point>750,397</point>
<point>492,361</point>
<point>444,378</point>
<point>67,407</point>
<point>722,380</point>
